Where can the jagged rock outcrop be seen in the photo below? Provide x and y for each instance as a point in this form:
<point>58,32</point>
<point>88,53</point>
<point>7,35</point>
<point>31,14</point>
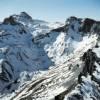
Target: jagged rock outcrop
<point>96,28</point>
<point>6,71</point>
<point>86,25</point>
<point>88,79</point>
<point>60,29</point>
<point>10,20</point>
<point>69,22</point>
<point>89,59</point>
<point>25,15</point>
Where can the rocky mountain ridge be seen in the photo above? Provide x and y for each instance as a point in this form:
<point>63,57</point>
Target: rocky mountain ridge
<point>43,61</point>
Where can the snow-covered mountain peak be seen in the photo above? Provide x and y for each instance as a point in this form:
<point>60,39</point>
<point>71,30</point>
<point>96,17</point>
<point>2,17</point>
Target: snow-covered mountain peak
<point>25,15</point>
<point>43,59</point>
<point>71,19</point>
<point>22,16</point>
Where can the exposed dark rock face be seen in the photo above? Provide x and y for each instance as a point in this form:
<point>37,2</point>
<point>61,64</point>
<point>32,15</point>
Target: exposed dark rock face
<point>96,28</point>
<point>6,73</point>
<point>24,14</point>
<point>89,58</point>
<point>9,20</point>
<point>86,25</point>
<point>71,19</point>
<point>65,27</point>
<point>60,29</point>
<point>41,36</point>
<point>76,97</point>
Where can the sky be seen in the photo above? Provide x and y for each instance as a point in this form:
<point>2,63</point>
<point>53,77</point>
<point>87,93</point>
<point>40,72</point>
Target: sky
<point>51,10</point>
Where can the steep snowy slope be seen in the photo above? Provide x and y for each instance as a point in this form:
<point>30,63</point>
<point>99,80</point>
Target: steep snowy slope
<point>19,56</point>
<point>41,60</point>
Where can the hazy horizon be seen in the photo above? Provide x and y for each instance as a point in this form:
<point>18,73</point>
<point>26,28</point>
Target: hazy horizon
<point>51,10</point>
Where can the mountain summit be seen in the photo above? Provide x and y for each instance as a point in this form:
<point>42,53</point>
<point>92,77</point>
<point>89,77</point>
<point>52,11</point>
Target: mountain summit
<point>49,61</point>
